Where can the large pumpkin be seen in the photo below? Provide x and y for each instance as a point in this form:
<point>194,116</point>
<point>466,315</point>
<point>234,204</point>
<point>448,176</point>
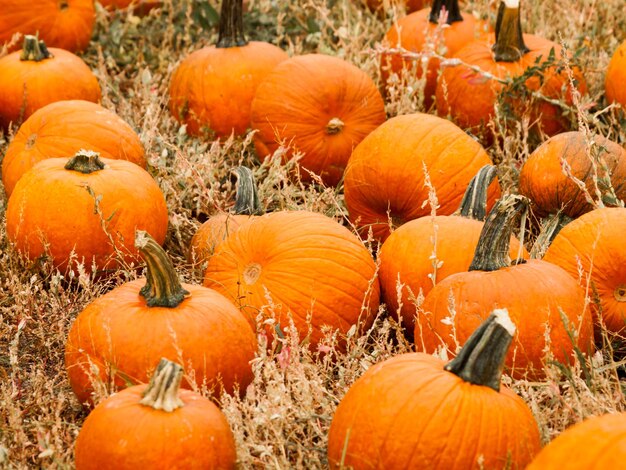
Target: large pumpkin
<point>37,76</point>
<point>414,411</point>
<point>300,265</point>
<point>319,106</point>
<point>616,76</point>
<point>385,178</point>
<point>63,128</point>
<point>212,89</point>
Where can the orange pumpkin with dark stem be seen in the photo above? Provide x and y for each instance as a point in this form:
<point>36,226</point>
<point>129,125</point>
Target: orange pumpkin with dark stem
<point>415,411</point>
<point>317,105</point>
<point>616,77</point>
<point>212,89</point>
<point>63,128</point>
<point>85,210</point>
<point>131,429</point>
<point>544,301</point>
<point>37,76</point>
<point>385,178</point>
<point>66,24</point>
<point>117,338</point>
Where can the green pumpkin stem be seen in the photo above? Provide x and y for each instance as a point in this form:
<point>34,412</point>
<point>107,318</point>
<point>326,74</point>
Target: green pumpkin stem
<point>492,251</point>
<point>34,50</point>
<point>474,203</point>
<point>163,288</point>
<point>162,391</point>
<point>231,25</point>
<point>85,161</point>
<point>451,6</point>
<point>509,46</point>
<point>247,199</point>
<point>481,360</point>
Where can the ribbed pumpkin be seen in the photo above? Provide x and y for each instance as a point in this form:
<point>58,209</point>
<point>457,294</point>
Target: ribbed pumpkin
<point>415,411</point>
<point>66,24</point>
<point>80,208</point>
<point>63,128</point>
<point>469,97</point>
<point>317,105</point>
<point>212,89</point>
<point>598,443</point>
<point>542,299</point>
<point>616,76</point>
<point>594,243</point>
<point>117,339</point>
<point>156,426</point>
<point>304,264</point>
<point>384,181</point>
<point>37,76</point>
<point>544,181</point>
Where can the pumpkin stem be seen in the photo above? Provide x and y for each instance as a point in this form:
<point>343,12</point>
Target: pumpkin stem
<point>85,161</point>
<point>492,251</point>
<point>452,8</point>
<point>163,288</point>
<point>509,46</point>
<point>550,228</point>
<point>334,126</point>
<point>162,391</point>
<point>231,25</point>
<point>247,198</point>
<point>481,360</point>
<point>34,49</point>
<point>474,203</point>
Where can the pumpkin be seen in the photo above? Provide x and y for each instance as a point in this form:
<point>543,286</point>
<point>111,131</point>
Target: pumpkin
<point>592,246</point>
<point>544,301</point>
<point>544,181</point>
<point>117,338</point>
<point>132,429</point>
<point>304,266</point>
<point>63,128</point>
<point>212,89</point>
<point>66,24</point>
<point>409,5</point>
<point>596,443</point>
<point>616,76</point>
<point>37,76</point>
<point>85,210</point>
<point>416,411</point>
<point>416,31</point>
<point>385,178</point>
<point>512,54</point>
<point>318,106</point>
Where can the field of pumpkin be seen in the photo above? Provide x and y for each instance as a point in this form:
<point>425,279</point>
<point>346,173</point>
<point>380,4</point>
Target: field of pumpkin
<point>369,234</point>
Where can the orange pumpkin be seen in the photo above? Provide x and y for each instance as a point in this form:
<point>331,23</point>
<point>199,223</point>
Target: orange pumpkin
<point>544,301</point>
<point>212,89</point>
<point>66,24</point>
<point>36,76</point>
<point>415,411</point>
<point>385,178</point>
<point>85,210</point>
<point>63,128</point>
<point>131,429</point>
<point>117,338</point>
<point>616,76</point>
<point>302,264</point>
<point>317,105</point>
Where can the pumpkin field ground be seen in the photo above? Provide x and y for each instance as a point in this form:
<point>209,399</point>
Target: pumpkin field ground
<point>282,420</point>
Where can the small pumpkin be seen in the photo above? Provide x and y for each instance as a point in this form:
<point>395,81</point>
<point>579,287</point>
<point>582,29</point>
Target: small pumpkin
<point>63,128</point>
<point>616,76</point>
<point>37,76</point>
<point>212,89</point>
<point>117,338</point>
<point>317,105</point>
<point>131,429</point>
<point>416,411</point>
<point>385,178</point>
<point>85,209</point>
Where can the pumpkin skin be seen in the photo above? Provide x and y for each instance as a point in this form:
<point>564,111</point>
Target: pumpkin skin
<point>616,76</point>
<point>319,105</point>
<point>594,242</point>
<point>66,24</point>
<point>386,174</point>
<point>63,128</point>
<point>543,181</point>
<point>604,439</point>
<point>307,262</point>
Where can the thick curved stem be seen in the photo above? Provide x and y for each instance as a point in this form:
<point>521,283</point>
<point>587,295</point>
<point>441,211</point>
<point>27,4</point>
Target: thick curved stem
<point>85,161</point>
<point>162,391</point>
<point>509,46</point>
<point>231,25</point>
<point>474,203</point>
<point>550,228</point>
<point>452,9</point>
<point>247,199</point>
<point>34,50</point>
